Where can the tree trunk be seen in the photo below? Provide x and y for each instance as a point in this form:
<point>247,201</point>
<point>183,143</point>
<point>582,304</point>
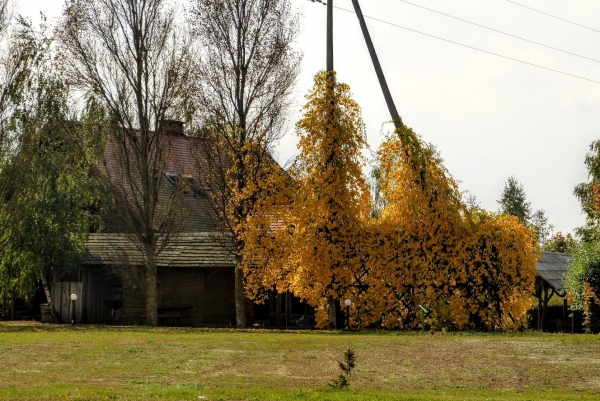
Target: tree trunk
<point>12,305</point>
<point>240,315</point>
<point>332,313</point>
<point>151,287</point>
<point>47,291</point>
<point>278,310</point>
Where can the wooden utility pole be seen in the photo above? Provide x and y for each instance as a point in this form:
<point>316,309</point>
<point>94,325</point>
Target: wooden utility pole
<point>330,300</point>
<point>384,86</point>
<point>329,35</point>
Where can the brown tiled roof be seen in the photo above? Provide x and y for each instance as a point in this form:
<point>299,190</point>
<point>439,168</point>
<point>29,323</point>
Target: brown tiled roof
<point>183,156</point>
<point>186,250</point>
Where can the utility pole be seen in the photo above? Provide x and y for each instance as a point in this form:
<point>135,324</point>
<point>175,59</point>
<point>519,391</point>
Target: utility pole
<point>384,86</point>
<point>329,35</point>
<point>331,302</point>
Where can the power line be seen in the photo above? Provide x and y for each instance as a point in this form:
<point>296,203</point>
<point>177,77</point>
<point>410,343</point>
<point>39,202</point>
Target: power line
<point>503,33</point>
<point>553,16</point>
<point>474,48</point>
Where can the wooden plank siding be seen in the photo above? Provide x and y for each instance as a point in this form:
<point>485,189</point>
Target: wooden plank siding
<point>195,279</point>
<point>61,296</point>
<point>219,301</point>
<point>205,294</point>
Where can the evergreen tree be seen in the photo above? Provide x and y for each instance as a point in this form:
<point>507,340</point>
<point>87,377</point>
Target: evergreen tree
<point>513,200</point>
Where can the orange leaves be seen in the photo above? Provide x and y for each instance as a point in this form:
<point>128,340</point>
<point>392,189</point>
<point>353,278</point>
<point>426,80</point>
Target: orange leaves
<point>473,269</point>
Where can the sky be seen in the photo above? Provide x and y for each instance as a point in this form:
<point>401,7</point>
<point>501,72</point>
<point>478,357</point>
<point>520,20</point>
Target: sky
<point>489,117</point>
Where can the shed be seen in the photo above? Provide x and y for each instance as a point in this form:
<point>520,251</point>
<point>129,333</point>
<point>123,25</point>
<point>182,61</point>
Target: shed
<point>549,281</point>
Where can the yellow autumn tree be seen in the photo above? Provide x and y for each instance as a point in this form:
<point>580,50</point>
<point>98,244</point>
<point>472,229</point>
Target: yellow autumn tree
<point>333,196</point>
<point>472,269</point>
<point>315,236</point>
<point>311,246</point>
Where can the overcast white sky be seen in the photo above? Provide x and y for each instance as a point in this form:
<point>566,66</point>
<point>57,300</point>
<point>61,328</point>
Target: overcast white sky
<point>489,117</point>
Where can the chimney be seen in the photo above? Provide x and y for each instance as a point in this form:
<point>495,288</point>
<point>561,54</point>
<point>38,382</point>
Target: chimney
<point>173,127</point>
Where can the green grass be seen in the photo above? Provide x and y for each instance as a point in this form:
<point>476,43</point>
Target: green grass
<point>61,362</point>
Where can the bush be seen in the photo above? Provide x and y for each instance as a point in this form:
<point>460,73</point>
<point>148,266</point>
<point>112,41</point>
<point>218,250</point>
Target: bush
<point>582,281</point>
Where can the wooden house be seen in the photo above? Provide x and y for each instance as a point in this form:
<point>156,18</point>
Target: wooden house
<point>195,269</point>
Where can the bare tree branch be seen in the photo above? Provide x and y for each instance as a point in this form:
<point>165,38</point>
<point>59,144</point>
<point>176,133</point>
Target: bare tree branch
<point>131,57</point>
<point>248,68</point>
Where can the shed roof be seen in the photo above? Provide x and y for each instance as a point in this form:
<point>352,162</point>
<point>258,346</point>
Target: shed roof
<point>210,249</point>
<point>551,268</point>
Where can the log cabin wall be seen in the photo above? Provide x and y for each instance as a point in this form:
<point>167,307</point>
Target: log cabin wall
<point>133,311</point>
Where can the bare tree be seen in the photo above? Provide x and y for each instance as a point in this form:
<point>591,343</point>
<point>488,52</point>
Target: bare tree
<point>248,68</point>
<point>5,15</point>
<point>134,61</point>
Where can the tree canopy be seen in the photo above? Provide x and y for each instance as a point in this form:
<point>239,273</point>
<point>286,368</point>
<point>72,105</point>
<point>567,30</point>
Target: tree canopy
<point>423,246</point>
<point>513,200</point>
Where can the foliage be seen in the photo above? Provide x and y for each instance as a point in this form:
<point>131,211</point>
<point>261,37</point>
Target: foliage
<point>473,267</point>
<point>588,194</point>
<point>46,193</point>
<point>340,382</point>
<point>513,200</point>
<point>246,69</point>
<point>5,15</point>
<point>349,363</point>
<point>423,246</point>
<point>584,268</point>
<point>347,367</point>
<point>562,243</point>
<point>23,51</point>
<point>540,225</point>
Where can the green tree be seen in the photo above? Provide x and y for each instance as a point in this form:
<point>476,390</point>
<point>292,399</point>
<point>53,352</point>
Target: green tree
<point>513,200</point>
<point>45,192</point>
<point>562,243</point>
<point>541,226</point>
<point>582,281</point>
<point>588,194</point>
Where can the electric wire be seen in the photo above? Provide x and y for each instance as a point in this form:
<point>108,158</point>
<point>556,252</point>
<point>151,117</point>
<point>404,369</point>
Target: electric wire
<point>473,48</point>
<point>553,16</point>
<point>498,31</point>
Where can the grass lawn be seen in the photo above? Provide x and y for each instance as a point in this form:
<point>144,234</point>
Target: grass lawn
<point>83,362</point>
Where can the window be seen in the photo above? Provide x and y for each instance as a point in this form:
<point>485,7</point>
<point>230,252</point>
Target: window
<point>187,184</point>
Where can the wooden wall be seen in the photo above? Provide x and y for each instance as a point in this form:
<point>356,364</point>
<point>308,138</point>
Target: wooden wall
<point>182,287</point>
<point>61,297</point>
<point>99,287</point>
<point>219,301</point>
<point>207,294</point>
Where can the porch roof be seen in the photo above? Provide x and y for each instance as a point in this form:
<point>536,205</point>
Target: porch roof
<point>551,268</point>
